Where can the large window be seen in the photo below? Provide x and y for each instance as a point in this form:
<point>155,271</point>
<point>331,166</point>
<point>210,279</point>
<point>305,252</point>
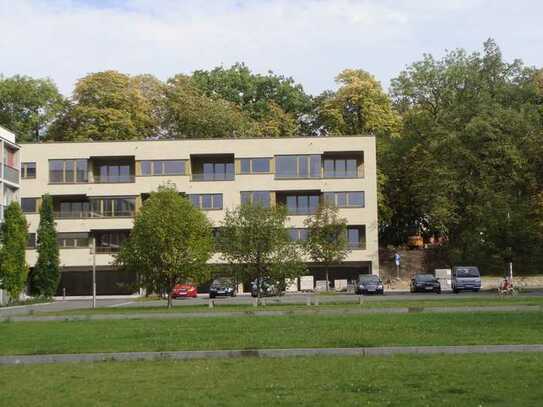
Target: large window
<point>356,237</point>
<point>73,210</point>
<point>110,241</point>
<point>73,240</point>
<point>163,167</point>
<point>261,198</point>
<point>340,168</point>
<point>298,166</point>
<point>113,207</point>
<point>67,171</point>
<point>206,201</point>
<point>28,170</point>
<point>217,172</point>
<point>302,204</point>
<point>254,165</point>
<point>118,172</point>
<point>345,199</point>
<point>29,205</point>
<point>298,234</point>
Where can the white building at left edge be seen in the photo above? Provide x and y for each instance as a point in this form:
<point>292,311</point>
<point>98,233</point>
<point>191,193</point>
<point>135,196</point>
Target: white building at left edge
<point>9,176</point>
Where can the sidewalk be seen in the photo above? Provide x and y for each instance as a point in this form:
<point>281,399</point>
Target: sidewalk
<point>264,353</point>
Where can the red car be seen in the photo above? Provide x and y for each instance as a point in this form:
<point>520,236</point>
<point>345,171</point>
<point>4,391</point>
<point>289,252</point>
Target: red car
<point>184,290</point>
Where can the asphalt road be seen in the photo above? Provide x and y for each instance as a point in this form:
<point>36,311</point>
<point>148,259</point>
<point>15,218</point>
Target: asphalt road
<point>298,298</point>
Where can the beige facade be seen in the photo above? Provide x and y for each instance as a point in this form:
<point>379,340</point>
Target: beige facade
<point>98,186</point>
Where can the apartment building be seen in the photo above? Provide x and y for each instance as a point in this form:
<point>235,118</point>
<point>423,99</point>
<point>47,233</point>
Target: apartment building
<point>97,187</point>
<point>9,177</point>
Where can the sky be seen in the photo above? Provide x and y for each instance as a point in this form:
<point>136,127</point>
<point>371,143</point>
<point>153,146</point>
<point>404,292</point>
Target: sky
<point>310,40</point>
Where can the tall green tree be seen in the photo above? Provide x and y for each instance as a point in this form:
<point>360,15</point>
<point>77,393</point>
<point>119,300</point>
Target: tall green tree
<point>13,267</point>
<point>46,274</point>
<point>170,243</point>
<point>106,105</point>
<point>28,106</point>
<point>327,237</point>
<point>469,154</point>
<point>255,241</point>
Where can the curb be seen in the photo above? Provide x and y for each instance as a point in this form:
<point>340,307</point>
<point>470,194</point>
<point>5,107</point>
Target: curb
<point>264,313</point>
<point>263,353</point>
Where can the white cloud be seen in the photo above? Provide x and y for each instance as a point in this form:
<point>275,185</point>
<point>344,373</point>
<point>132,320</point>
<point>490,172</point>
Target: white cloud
<point>310,40</point>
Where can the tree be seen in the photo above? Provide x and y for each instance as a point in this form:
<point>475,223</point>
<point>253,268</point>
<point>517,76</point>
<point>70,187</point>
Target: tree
<point>106,106</point>
<point>170,243</point>
<point>469,154</point>
<point>13,267</point>
<point>46,274</point>
<point>255,241</point>
<point>28,106</point>
<point>327,237</point>
<point>261,97</point>
<point>191,114</point>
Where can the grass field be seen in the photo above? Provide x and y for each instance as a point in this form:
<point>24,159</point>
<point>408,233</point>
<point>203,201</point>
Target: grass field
<point>459,380</point>
<point>369,302</point>
<point>271,332</point>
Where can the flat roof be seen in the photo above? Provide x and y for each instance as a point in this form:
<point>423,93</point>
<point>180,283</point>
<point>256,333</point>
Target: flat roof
<point>199,139</point>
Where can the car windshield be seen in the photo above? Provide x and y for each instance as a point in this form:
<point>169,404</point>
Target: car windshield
<point>369,279</point>
<point>222,281</point>
<point>467,272</point>
<point>424,277</point>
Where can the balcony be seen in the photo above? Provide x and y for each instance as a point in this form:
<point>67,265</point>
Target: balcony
<point>79,207</point>
<point>299,203</point>
<point>11,174</point>
<point>218,167</point>
<point>113,170</point>
<point>343,165</point>
<point>113,179</point>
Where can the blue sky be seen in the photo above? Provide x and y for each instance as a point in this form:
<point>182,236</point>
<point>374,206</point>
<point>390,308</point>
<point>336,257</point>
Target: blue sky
<point>310,40</point>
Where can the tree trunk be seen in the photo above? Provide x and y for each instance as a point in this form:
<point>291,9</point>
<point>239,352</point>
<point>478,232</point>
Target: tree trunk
<point>170,300</point>
<point>327,279</point>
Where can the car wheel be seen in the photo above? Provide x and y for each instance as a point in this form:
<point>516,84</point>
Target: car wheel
<point>211,296</point>
<point>476,290</point>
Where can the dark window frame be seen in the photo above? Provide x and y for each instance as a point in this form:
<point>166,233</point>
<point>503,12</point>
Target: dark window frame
<point>25,167</point>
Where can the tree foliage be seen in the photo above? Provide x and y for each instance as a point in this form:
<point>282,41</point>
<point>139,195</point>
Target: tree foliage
<point>13,267</point>
<point>106,105</point>
<point>170,243</point>
<point>45,277</point>
<point>28,106</point>
<point>327,237</point>
<point>256,241</point>
<point>469,155</point>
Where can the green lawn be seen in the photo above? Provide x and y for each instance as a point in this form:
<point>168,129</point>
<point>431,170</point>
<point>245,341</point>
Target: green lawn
<point>369,302</point>
<point>459,380</point>
<point>271,332</point>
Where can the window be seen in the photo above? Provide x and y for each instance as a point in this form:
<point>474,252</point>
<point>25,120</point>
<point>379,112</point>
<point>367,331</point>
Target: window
<point>163,167</point>
<point>73,240</point>
<point>67,171</point>
<point>340,168</point>
<point>261,198</point>
<point>206,201</point>
<point>111,173</point>
<point>73,209</point>
<point>255,165</point>
<point>298,166</point>
<point>356,237</point>
<point>221,171</point>
<point>345,199</point>
<point>31,241</point>
<point>113,207</point>
<point>302,204</point>
<point>110,241</point>
<point>298,234</point>
<point>28,170</point>
<point>29,205</point>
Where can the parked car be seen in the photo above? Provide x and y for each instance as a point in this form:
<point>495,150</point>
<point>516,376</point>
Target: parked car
<point>369,284</point>
<point>268,288</point>
<point>425,283</point>
<point>465,278</point>
<point>222,286</point>
<point>184,290</point>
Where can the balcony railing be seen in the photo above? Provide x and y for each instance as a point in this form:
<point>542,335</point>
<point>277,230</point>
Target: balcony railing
<point>341,174</point>
<point>107,249</point>
<point>91,214</point>
<point>11,174</point>
<point>355,245</point>
<point>301,211</point>
<point>213,177</point>
<point>114,179</point>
